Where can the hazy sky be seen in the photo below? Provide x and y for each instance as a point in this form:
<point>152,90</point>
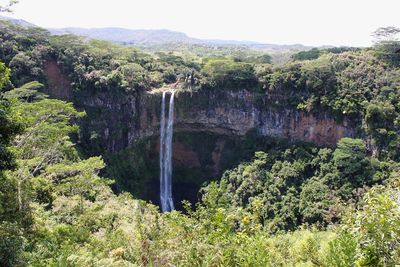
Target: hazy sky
<point>310,22</point>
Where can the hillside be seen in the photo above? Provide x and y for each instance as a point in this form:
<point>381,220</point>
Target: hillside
<point>128,36</point>
<point>154,38</point>
<point>19,22</point>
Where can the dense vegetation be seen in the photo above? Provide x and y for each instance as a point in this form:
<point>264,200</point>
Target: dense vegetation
<point>290,205</point>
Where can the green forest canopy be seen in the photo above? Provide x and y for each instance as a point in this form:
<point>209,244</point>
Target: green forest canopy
<point>292,205</point>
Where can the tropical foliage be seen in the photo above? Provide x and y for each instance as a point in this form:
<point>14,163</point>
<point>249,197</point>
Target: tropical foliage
<point>293,205</point>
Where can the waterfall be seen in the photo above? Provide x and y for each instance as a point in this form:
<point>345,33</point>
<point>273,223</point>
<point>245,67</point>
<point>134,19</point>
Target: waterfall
<point>162,144</point>
<point>166,133</point>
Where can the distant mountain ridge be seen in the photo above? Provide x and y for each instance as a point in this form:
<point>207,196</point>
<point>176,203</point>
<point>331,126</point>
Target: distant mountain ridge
<point>129,36</point>
<point>19,22</point>
<point>163,36</point>
<point>144,37</point>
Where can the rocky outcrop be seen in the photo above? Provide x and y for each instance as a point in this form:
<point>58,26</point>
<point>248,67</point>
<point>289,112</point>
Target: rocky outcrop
<point>58,84</point>
<point>118,120</point>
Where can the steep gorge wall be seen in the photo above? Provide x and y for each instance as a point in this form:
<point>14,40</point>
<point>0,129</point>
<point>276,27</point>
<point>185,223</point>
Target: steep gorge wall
<point>211,132</point>
<point>210,135</point>
<point>118,120</point>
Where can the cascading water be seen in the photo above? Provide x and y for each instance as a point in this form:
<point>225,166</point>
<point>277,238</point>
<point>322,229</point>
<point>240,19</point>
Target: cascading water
<point>162,145</point>
<point>166,132</point>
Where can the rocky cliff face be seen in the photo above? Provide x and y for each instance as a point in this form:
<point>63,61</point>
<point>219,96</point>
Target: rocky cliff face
<point>210,133</point>
<point>118,120</point>
<point>214,130</point>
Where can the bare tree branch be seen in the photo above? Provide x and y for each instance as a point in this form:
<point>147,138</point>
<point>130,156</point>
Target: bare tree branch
<point>7,7</point>
<point>386,34</point>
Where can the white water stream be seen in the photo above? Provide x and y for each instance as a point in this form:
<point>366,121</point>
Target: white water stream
<point>166,133</point>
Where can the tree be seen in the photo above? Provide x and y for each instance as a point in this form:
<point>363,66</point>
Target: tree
<point>226,73</point>
<point>377,229</point>
<point>384,34</point>
<point>7,7</point>
<point>353,166</point>
<point>314,53</point>
<point>10,239</point>
<point>314,201</point>
<point>9,127</point>
<point>387,44</point>
<point>45,141</point>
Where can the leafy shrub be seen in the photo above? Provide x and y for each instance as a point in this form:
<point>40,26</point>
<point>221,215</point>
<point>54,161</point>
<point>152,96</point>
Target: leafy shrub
<point>228,74</point>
